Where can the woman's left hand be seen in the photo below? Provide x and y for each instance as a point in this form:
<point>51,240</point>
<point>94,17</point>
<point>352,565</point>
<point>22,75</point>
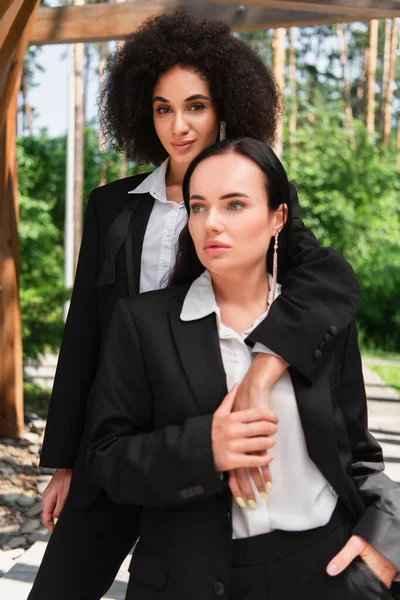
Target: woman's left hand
<point>377,563</point>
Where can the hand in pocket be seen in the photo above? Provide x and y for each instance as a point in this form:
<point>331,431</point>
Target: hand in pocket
<point>379,566</point>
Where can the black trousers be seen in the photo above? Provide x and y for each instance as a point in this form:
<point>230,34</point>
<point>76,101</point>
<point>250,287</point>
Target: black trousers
<point>88,546</point>
<point>292,566</point>
<point>85,551</point>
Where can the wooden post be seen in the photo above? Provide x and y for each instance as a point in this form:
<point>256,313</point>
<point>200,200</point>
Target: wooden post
<point>13,43</point>
<point>79,143</point>
<point>11,390</point>
<point>389,91</point>
<point>371,74</point>
<point>293,99</point>
<point>341,30</point>
<point>385,74</point>
<point>278,46</point>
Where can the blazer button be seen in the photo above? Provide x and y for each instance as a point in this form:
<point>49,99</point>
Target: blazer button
<point>317,354</point>
<point>332,330</point>
<point>329,338</point>
<point>219,588</point>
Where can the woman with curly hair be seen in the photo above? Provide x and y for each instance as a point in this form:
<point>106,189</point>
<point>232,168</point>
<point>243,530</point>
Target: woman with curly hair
<point>175,86</point>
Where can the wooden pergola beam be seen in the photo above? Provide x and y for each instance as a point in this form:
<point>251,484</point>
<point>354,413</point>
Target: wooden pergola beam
<point>8,13</point>
<point>14,36</point>
<point>358,9</point>
<point>102,22</point>
<point>93,22</point>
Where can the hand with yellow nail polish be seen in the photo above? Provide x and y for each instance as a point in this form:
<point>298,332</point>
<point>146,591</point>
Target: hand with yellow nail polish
<point>241,439</point>
<point>253,392</point>
<point>240,502</point>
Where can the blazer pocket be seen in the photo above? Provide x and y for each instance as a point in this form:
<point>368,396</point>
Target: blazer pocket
<point>364,584</point>
<point>151,569</point>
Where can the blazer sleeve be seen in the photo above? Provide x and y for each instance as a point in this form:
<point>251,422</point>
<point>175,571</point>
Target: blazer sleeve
<point>132,462</point>
<point>320,295</point>
<point>380,524</point>
<point>78,356</point>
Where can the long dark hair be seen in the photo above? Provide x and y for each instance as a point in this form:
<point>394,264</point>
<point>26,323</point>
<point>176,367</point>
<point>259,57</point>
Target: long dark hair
<point>188,266</point>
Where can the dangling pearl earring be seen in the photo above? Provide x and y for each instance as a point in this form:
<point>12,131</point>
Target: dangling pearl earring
<point>222,131</point>
<point>275,266</point>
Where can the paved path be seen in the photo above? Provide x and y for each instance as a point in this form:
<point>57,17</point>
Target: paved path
<point>384,419</point>
<point>384,423</point>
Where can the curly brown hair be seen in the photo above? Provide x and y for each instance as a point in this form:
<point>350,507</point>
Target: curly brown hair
<point>243,90</point>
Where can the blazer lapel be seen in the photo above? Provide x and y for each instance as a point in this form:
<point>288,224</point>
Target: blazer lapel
<point>315,409</point>
<point>198,347</point>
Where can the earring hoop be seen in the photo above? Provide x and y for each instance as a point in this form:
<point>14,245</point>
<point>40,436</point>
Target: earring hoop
<point>222,131</point>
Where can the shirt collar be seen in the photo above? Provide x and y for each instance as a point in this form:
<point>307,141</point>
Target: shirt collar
<point>154,184</point>
<point>200,300</point>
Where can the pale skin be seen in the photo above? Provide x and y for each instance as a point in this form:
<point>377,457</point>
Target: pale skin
<point>228,205</point>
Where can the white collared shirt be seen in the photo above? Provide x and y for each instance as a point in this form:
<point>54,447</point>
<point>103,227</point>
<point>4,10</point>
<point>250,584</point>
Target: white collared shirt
<point>301,497</point>
<point>160,244</point>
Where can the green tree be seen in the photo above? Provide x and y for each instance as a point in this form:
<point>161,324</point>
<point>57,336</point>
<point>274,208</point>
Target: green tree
<point>41,163</point>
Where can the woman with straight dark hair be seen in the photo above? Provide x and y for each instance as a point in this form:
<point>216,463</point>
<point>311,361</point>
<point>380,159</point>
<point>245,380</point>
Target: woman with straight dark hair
<point>165,435</point>
<point>174,87</point>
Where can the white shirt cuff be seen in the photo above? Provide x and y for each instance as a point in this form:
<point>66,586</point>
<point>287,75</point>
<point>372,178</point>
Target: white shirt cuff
<point>258,347</point>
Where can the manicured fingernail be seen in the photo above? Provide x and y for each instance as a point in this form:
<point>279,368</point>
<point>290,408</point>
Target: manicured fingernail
<point>241,502</point>
<point>55,520</point>
<point>252,504</point>
<point>332,569</point>
<point>264,496</point>
<point>268,486</point>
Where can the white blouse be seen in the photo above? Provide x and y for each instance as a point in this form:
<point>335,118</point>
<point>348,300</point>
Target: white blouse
<point>301,498</point>
<point>160,244</point>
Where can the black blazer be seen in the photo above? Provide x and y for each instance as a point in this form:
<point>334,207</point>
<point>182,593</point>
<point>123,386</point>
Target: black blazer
<point>160,381</point>
<point>319,300</point>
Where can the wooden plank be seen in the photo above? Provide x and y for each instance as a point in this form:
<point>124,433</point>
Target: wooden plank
<point>298,22</point>
<point>8,13</point>
<point>93,22</point>
<point>11,377</point>
<point>11,86</point>
<point>102,22</point>
<point>363,9</point>
<point>255,18</point>
<point>5,7</point>
<point>17,29</point>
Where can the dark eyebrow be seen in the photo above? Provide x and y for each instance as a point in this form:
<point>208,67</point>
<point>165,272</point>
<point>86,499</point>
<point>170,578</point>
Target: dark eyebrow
<point>190,99</point>
<point>197,97</point>
<point>224,197</point>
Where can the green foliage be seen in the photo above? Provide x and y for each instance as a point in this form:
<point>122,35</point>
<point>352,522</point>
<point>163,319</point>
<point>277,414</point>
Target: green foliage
<point>36,399</point>
<point>41,162</point>
<point>42,292</point>
<point>349,200</point>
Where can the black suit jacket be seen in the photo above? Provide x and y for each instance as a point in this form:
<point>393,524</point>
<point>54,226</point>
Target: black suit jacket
<point>160,381</point>
<point>319,300</point>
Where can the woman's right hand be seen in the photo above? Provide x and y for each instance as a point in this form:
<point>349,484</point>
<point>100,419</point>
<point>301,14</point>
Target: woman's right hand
<point>55,496</point>
<point>236,435</point>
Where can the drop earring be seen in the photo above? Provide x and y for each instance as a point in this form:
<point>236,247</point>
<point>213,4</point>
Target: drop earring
<point>275,266</point>
<point>222,131</point>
